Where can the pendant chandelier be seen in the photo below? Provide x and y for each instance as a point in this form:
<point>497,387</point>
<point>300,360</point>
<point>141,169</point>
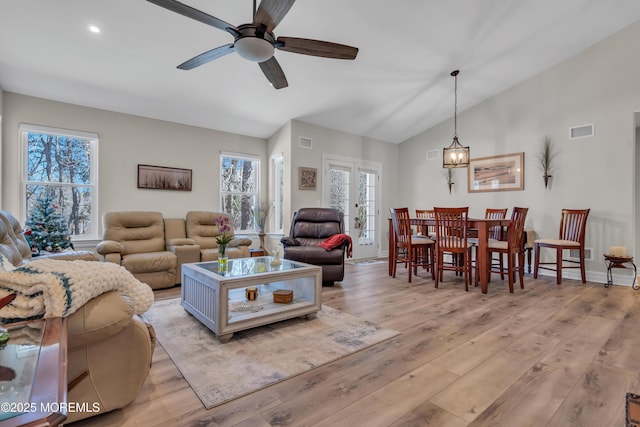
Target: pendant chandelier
<point>456,155</point>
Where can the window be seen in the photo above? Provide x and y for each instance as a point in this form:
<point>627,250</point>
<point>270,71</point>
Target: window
<point>278,193</point>
<point>61,166</point>
<point>239,189</point>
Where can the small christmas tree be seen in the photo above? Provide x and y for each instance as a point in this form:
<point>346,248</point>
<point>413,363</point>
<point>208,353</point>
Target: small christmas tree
<point>46,229</point>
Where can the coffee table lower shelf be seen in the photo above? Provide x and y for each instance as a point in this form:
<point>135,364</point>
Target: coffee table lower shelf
<point>219,301</point>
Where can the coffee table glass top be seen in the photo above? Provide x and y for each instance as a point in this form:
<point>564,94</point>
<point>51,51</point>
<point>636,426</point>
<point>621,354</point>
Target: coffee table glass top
<point>241,267</point>
<point>18,361</point>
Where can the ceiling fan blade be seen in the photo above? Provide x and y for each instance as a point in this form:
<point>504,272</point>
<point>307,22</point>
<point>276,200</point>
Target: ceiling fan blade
<point>207,56</point>
<point>271,12</point>
<point>316,48</point>
<point>273,72</point>
<point>189,12</point>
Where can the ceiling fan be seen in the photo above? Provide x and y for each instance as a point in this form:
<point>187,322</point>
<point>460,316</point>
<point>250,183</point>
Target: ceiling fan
<point>255,41</point>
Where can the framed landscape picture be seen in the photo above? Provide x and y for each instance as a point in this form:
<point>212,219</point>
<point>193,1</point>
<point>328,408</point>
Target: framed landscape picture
<point>164,178</point>
<point>496,173</point>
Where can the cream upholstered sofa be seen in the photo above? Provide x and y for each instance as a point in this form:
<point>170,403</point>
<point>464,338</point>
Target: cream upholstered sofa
<point>136,240</point>
<point>202,228</point>
<point>109,348</point>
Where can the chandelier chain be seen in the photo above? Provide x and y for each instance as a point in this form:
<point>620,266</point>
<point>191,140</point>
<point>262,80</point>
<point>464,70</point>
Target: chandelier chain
<point>455,106</point>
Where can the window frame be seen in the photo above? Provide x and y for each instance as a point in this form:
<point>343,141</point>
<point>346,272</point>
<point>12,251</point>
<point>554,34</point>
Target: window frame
<point>277,162</point>
<point>255,195</point>
<point>23,131</point>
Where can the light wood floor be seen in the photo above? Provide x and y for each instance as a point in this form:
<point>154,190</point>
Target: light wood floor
<point>547,355</point>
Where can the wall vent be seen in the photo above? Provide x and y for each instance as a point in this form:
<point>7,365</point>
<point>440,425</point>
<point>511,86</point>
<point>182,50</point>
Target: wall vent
<point>305,142</point>
<point>582,131</point>
<point>574,254</point>
<point>433,154</point>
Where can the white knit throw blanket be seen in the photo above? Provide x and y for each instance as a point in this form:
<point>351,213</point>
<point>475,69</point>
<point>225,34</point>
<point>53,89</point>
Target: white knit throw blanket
<point>57,288</point>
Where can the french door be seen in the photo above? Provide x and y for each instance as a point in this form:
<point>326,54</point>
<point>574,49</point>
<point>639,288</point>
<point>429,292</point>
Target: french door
<point>352,187</point>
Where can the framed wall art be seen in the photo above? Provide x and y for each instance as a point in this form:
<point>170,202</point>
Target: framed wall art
<point>307,178</point>
<point>164,178</point>
<point>496,173</point>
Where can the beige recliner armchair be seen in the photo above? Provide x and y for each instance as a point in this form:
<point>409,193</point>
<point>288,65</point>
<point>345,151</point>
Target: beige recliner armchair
<point>109,348</point>
<point>136,241</point>
<point>202,228</point>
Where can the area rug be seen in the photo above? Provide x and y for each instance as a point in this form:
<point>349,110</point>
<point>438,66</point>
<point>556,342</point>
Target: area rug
<point>633,410</point>
<point>369,261</point>
<point>258,357</point>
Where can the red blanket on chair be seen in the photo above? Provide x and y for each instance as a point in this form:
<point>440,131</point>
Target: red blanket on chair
<point>336,241</point>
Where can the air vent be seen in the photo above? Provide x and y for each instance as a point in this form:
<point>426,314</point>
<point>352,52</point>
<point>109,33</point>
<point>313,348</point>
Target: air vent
<point>305,142</point>
<point>574,254</point>
<point>582,131</point>
<point>433,155</point>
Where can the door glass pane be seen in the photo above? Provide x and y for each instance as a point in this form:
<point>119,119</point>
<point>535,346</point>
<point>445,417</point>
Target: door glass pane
<point>339,182</point>
<point>365,216</point>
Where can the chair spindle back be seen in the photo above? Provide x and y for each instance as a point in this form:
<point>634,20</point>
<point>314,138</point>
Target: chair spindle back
<point>426,213</point>
<point>401,225</point>
<point>573,224</point>
<point>451,228</point>
<point>495,232</point>
<point>515,234</point>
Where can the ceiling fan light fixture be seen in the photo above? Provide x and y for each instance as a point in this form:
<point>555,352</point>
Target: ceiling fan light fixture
<point>254,49</point>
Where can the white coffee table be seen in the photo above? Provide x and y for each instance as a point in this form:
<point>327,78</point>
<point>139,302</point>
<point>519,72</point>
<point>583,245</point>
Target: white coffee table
<point>217,299</point>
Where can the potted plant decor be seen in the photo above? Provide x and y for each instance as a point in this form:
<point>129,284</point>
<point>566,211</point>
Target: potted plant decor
<point>223,241</point>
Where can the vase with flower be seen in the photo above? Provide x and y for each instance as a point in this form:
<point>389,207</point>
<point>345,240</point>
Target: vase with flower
<point>223,241</point>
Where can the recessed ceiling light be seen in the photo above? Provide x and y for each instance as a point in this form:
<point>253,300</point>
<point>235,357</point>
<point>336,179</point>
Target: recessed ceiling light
<point>94,29</point>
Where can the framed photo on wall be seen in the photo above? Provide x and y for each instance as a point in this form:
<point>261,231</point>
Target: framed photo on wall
<point>496,173</point>
<point>307,178</point>
<point>164,178</point>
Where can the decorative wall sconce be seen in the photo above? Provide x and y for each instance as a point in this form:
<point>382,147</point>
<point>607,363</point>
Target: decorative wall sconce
<point>545,158</point>
<point>449,177</point>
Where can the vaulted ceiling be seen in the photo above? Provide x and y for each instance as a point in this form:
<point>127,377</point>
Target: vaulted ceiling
<point>398,86</point>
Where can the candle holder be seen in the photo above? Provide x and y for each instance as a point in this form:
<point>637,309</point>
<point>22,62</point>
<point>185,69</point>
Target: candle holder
<point>251,293</point>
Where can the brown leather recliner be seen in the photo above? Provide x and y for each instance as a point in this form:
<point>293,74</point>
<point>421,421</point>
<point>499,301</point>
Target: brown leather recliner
<point>310,227</point>
<point>109,348</point>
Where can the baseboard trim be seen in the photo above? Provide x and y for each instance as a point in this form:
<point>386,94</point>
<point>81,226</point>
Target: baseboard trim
<point>592,276</point>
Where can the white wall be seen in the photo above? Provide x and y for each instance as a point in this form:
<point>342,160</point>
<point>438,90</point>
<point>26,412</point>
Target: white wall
<point>280,144</point>
<point>636,182</point>
<point>1,146</point>
<point>596,86</point>
<point>124,142</point>
<point>338,143</point>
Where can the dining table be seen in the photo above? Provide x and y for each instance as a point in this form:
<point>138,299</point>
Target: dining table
<point>483,225</point>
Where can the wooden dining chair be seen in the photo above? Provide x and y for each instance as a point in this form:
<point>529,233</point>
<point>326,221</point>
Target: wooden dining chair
<point>427,230</point>
<point>411,250</point>
<point>573,227</point>
<point>451,237</point>
<point>512,247</point>
<point>495,233</point>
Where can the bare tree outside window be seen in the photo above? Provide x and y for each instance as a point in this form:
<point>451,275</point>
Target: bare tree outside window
<point>61,166</point>
<point>239,190</point>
